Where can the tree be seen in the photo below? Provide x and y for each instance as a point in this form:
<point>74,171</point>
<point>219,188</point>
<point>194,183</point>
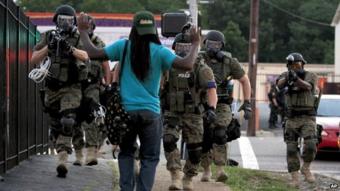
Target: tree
<point>235,42</point>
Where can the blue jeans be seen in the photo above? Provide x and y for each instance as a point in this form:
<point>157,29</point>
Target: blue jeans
<point>148,126</point>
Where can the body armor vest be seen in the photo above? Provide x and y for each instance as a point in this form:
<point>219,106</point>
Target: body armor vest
<point>222,74</point>
<point>66,69</point>
<point>301,100</point>
<point>184,95</point>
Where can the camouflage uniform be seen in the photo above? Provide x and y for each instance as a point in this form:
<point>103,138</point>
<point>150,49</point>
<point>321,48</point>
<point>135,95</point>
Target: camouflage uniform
<point>185,110</point>
<point>300,123</point>
<point>215,144</point>
<point>62,92</point>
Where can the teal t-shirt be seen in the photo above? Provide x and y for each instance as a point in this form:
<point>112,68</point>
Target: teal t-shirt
<point>136,94</point>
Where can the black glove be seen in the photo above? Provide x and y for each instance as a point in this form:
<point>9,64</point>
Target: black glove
<point>292,77</point>
<point>246,107</point>
<point>66,47</point>
<point>210,115</point>
<point>220,55</point>
<point>53,43</point>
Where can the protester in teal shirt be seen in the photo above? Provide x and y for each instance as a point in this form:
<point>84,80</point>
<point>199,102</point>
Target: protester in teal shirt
<point>138,94</point>
<point>146,59</point>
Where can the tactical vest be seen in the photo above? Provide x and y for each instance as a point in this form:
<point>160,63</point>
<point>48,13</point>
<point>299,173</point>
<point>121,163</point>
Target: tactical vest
<point>66,69</point>
<point>301,100</point>
<point>183,95</point>
<point>222,74</point>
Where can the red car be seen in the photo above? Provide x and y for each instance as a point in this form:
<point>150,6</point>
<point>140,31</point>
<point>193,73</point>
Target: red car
<point>328,117</point>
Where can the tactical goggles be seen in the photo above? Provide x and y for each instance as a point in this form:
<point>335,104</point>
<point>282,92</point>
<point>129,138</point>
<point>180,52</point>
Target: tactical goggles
<point>65,20</point>
<point>182,47</point>
<point>210,44</point>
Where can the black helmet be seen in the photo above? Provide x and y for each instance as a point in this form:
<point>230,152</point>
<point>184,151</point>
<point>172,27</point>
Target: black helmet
<point>215,36</point>
<point>64,10</point>
<point>180,37</point>
<point>93,22</point>
<point>295,57</point>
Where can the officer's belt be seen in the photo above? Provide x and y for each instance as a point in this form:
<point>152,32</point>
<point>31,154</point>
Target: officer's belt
<point>295,113</point>
<point>226,99</point>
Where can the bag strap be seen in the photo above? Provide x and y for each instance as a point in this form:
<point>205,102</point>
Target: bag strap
<point>123,60</point>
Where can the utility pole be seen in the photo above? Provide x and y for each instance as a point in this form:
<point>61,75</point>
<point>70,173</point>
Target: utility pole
<point>252,69</point>
<point>193,11</point>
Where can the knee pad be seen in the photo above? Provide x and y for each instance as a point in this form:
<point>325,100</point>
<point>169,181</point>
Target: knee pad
<point>310,145</point>
<point>67,123</point>
<point>169,142</point>
<point>220,136</point>
<point>195,152</point>
<point>291,149</point>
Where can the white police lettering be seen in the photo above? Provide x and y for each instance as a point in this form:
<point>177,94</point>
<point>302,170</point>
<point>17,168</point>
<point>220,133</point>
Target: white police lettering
<point>184,75</point>
<point>145,22</point>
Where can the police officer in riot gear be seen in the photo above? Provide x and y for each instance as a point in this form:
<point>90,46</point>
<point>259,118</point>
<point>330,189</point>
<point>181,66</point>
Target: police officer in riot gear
<point>301,111</point>
<point>62,93</point>
<point>225,68</point>
<point>183,111</point>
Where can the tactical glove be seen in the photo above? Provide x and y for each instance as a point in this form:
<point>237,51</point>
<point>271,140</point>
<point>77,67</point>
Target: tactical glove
<point>210,115</point>
<point>220,55</point>
<point>246,107</point>
<point>53,44</point>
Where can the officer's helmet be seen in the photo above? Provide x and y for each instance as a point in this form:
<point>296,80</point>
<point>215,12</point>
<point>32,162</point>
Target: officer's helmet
<point>181,44</point>
<point>216,36</point>
<point>295,58</point>
<point>65,17</point>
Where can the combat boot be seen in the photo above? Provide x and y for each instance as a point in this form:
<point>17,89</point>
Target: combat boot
<point>175,180</point>
<point>61,168</point>
<point>91,156</point>
<point>206,174</point>
<point>221,176</point>
<point>295,179</point>
<point>187,183</point>
<point>79,157</point>
<point>305,170</point>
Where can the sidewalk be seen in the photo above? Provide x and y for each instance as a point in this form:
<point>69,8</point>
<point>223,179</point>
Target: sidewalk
<point>39,174</point>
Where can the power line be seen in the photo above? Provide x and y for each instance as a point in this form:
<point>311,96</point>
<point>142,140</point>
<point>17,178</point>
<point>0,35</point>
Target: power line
<point>297,16</point>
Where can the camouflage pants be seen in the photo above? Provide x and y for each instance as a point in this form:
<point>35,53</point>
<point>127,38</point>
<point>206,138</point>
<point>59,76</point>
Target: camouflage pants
<point>91,130</point>
<point>211,150</point>
<point>191,126</point>
<point>300,127</point>
<point>59,103</point>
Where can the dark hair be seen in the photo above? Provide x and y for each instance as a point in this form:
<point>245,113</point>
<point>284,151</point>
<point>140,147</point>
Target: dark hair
<point>140,52</point>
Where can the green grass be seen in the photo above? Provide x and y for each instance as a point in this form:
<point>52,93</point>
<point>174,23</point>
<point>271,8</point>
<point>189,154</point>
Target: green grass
<point>241,179</point>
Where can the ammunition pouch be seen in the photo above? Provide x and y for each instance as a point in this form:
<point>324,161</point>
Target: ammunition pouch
<point>182,102</point>
<point>83,70</point>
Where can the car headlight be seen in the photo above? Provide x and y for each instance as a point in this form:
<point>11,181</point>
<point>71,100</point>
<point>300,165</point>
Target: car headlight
<point>324,133</point>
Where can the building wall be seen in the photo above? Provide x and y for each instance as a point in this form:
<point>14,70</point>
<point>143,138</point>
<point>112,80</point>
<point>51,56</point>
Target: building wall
<point>337,51</point>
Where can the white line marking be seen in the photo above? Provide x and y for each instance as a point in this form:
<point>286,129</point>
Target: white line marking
<point>247,154</point>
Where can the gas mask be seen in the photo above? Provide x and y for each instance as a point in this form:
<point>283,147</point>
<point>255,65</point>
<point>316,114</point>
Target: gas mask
<point>297,67</point>
<point>213,47</point>
<point>182,49</point>
<point>66,23</point>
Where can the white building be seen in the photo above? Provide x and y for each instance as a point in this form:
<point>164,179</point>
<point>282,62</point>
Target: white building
<point>336,24</point>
